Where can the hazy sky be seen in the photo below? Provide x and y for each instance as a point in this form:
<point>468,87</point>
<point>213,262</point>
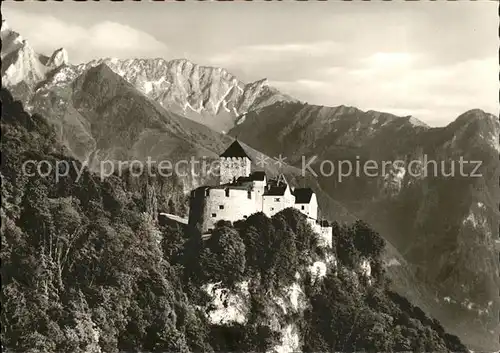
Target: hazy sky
<point>432,60</point>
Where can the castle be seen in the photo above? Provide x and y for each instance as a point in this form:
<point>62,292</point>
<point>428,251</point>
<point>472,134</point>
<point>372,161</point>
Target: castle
<point>241,193</point>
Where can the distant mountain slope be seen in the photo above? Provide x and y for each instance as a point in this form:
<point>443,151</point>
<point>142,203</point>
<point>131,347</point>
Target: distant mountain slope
<point>299,129</point>
<point>444,227</point>
<point>102,117</point>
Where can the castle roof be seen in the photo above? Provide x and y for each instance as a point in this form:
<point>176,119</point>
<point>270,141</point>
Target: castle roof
<point>276,190</point>
<point>258,175</point>
<point>303,195</point>
<point>231,187</point>
<point>235,150</point>
<point>252,177</point>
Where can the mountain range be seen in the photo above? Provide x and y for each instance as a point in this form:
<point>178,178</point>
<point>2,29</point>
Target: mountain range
<point>444,228</point>
<point>440,230</point>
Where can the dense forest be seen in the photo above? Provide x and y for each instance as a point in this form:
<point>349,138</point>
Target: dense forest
<point>87,268</point>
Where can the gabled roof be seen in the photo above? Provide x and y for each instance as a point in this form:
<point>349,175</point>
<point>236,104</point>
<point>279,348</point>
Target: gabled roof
<point>303,195</point>
<point>276,190</point>
<point>235,150</point>
<point>252,177</point>
<point>258,175</point>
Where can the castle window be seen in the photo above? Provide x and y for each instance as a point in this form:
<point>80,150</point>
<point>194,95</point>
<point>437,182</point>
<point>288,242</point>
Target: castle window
<point>221,207</point>
<point>302,207</point>
<point>227,192</point>
<point>214,214</point>
<point>277,199</point>
<point>249,194</point>
<point>272,208</point>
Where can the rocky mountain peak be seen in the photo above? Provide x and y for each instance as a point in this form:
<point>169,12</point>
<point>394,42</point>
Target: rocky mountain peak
<point>58,58</point>
<point>209,95</point>
<point>6,30</point>
<point>475,115</point>
<point>22,64</point>
<point>23,69</point>
<point>11,40</point>
<point>416,122</point>
<point>475,127</point>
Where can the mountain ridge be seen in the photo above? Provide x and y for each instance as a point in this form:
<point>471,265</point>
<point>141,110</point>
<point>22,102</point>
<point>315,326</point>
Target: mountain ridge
<point>227,98</point>
<point>208,95</point>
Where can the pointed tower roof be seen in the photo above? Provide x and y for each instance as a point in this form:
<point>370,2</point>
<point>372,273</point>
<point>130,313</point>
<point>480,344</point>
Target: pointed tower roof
<point>235,150</point>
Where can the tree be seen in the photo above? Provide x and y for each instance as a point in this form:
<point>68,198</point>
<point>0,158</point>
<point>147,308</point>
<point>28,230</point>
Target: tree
<point>172,243</point>
<point>368,242</point>
<point>224,257</point>
<point>284,253</point>
<point>346,251</point>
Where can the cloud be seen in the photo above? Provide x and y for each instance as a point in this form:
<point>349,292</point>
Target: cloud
<point>249,54</point>
<point>390,60</point>
<point>435,94</point>
<point>103,39</point>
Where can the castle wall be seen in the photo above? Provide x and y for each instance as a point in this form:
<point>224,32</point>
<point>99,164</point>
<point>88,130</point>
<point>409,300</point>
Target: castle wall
<point>272,204</point>
<point>208,205</point>
<point>227,204</point>
<point>197,206</point>
<point>232,168</point>
<point>259,188</point>
<point>309,209</point>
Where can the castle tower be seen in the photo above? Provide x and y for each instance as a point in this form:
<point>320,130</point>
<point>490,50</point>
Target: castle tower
<point>234,163</point>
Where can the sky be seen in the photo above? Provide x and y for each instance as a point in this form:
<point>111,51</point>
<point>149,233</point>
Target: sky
<point>431,60</point>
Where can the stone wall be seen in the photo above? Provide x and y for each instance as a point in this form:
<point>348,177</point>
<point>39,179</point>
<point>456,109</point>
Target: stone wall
<point>208,205</point>
<point>259,188</point>
<point>197,205</point>
<point>227,204</point>
<point>232,168</point>
<point>272,204</point>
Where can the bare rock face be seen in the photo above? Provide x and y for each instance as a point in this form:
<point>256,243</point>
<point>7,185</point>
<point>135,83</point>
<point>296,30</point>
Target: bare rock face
<point>11,40</point>
<point>58,58</point>
<point>22,68</point>
<point>22,65</point>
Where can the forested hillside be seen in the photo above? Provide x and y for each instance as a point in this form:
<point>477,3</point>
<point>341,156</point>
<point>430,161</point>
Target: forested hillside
<point>86,268</point>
